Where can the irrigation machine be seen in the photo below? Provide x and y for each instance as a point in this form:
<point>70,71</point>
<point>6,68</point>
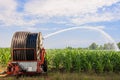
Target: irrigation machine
<point>27,55</point>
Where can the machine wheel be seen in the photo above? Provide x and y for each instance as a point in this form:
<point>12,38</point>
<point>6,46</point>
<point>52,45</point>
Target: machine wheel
<point>44,66</point>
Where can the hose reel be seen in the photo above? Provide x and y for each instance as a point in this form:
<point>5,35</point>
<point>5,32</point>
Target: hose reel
<point>28,55</point>
<point>24,45</point>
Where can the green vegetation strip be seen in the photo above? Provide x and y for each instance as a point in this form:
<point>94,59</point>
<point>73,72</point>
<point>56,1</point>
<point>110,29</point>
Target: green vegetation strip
<point>68,76</point>
<point>76,60</point>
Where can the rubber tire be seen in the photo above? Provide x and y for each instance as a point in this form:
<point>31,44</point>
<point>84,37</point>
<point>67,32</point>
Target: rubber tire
<point>44,66</point>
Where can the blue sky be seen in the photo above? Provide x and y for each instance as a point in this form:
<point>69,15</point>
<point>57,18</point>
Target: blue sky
<point>48,16</point>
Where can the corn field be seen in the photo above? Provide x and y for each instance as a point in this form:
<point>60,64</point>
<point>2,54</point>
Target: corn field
<point>83,60</point>
<point>76,60</point>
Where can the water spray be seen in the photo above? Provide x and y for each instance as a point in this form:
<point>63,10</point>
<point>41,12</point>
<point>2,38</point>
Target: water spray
<point>106,35</point>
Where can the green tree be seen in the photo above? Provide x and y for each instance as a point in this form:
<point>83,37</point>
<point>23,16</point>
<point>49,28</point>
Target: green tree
<point>101,47</point>
<point>93,46</point>
<point>109,46</point>
<point>118,45</point>
<point>69,47</point>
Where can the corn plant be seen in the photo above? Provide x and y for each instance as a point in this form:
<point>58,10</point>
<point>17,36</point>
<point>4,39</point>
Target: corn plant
<point>4,56</point>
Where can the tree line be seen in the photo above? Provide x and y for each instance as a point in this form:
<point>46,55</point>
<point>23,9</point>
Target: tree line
<point>95,46</point>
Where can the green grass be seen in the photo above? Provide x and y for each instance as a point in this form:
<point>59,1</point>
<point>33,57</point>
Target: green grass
<point>68,76</point>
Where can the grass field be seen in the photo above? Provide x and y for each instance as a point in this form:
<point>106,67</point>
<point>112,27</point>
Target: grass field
<point>74,64</point>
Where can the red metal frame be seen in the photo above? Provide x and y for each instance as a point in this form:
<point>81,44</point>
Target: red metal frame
<point>15,68</point>
<point>42,55</point>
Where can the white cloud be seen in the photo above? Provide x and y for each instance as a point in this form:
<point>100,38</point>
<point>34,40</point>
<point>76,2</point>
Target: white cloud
<point>65,7</point>
<point>30,28</point>
<point>76,12</point>
<point>41,11</point>
<point>34,28</point>
<point>7,6</point>
<point>10,17</point>
<point>93,18</point>
<point>106,16</point>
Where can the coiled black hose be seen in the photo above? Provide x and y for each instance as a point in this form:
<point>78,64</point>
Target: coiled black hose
<point>25,40</point>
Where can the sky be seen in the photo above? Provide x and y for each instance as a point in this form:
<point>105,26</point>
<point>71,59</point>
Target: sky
<point>48,16</point>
